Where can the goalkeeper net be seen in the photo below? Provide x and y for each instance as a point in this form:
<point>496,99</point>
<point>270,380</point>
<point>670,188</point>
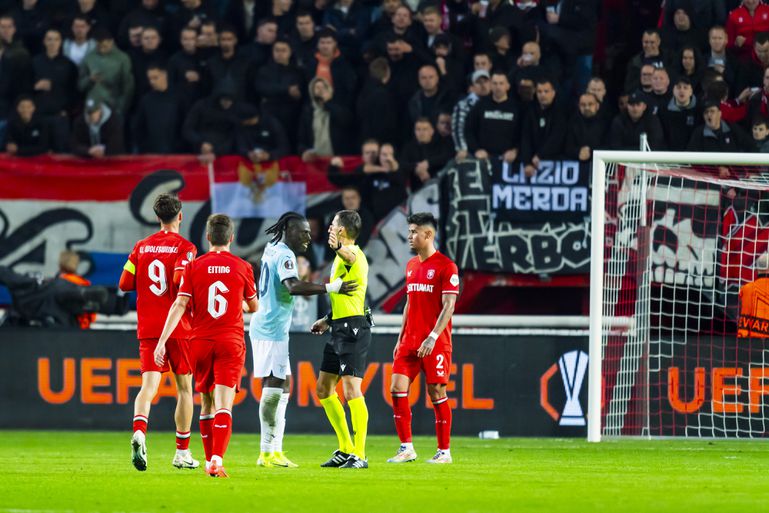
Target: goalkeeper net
<point>676,238</point>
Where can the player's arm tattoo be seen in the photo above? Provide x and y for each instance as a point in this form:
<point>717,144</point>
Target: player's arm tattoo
<point>449,301</point>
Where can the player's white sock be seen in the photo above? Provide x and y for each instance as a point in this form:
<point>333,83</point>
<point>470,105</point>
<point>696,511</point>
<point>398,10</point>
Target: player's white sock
<point>216,460</point>
<point>280,423</point>
<point>407,445</point>
<point>268,408</point>
<point>447,452</point>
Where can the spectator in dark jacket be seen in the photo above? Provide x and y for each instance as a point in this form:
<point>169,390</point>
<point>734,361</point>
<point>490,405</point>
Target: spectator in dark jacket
<point>260,50</point>
<point>350,19</point>
<point>405,31</point>
<point>329,64</point>
<point>404,68</point>
<point>303,40</point>
<point>149,14</point>
<point>651,54</point>
<point>231,65</point>
<point>493,125</point>
<point>719,57</point>
<point>680,116</point>
<point>280,84</point>
<point>681,30</point>
<point>55,84</point>
<point>98,132</point>
<point>627,127</point>
<point>705,13</point>
<point>188,71</point>
<point>432,97</point>
<point>544,129</point>
<point>211,123</point>
<point>716,135</point>
<point>379,178</point>
<point>352,200</point>
<point>377,107</point>
<point>261,137</point>
<point>148,54</point>
<point>27,132</point>
<point>587,129</point>
<point>325,127</point>
<point>480,88</point>
<point>425,155</point>
<point>192,13</point>
<point>660,94</point>
<point>571,28</point>
<point>159,116</point>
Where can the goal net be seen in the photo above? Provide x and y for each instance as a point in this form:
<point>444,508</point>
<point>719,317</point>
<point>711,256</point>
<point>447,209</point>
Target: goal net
<point>675,238</point>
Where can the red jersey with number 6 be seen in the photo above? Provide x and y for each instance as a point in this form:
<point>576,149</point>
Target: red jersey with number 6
<point>426,282</point>
<point>218,282</point>
<point>153,262</point>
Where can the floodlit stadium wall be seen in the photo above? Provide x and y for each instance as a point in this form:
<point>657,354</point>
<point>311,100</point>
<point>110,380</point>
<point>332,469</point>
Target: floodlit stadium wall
<point>503,380</point>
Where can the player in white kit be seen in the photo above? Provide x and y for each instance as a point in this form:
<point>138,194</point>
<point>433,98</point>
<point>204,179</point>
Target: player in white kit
<point>278,283</point>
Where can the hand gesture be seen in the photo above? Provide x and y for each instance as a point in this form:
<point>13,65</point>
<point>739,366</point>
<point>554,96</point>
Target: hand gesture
<point>337,162</point>
<point>739,41</point>
<point>426,348</point>
<point>160,354</point>
<point>319,327</point>
<point>348,287</point>
<point>333,241</point>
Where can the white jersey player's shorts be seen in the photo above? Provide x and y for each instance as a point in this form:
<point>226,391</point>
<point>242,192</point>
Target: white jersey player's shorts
<point>271,358</point>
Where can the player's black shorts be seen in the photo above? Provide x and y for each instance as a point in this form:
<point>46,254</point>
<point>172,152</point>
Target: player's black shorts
<point>347,352</point>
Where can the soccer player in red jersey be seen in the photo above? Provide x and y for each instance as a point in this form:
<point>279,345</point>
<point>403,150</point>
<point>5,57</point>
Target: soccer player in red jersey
<point>219,286</point>
<point>424,342</point>
<point>154,269</point>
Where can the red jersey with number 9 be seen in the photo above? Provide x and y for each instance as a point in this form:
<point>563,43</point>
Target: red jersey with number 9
<point>218,282</point>
<point>426,282</point>
<point>154,261</point>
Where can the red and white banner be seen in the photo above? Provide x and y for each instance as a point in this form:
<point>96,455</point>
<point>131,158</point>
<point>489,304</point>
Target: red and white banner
<point>102,206</point>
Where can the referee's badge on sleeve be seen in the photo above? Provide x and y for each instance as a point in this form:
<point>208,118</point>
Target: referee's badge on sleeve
<point>454,280</point>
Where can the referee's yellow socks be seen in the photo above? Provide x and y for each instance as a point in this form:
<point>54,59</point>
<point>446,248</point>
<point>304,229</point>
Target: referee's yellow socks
<point>359,414</point>
<point>335,413</point>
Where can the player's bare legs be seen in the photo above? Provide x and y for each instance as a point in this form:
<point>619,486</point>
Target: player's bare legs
<point>272,418</point>
<point>223,399</point>
<point>207,410</point>
<point>399,388</point>
<point>142,404</point>
<point>183,417</point>
<point>326,390</point>
<point>437,393</point>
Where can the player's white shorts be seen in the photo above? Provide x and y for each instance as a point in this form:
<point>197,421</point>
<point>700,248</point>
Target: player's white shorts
<point>270,358</point>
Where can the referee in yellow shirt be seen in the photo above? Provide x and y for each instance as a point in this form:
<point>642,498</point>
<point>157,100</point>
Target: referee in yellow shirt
<point>344,356</point>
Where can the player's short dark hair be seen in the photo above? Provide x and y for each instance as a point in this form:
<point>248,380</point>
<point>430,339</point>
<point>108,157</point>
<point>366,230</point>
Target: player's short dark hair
<point>760,120</point>
<point>278,229</point>
<point>167,207</point>
<point>219,228</point>
<point>423,219</point>
<point>350,221</point>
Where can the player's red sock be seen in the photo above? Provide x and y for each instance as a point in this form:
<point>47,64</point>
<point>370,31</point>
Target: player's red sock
<point>222,431</point>
<point>206,434</point>
<point>443,422</point>
<point>402,416</point>
<point>140,423</point>
<point>182,440</point>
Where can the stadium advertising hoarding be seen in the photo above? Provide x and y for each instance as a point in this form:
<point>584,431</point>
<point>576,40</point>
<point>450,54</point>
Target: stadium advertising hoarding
<point>478,237</point>
<point>81,380</point>
<point>709,386</point>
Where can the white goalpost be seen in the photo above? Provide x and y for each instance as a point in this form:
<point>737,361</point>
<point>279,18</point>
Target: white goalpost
<point>675,235</point>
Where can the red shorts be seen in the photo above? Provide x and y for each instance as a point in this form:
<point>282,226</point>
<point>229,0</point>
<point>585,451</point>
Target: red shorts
<point>177,355</point>
<point>436,365</point>
<point>217,362</point>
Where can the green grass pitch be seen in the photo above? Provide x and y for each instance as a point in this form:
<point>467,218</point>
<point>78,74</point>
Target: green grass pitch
<point>91,472</point>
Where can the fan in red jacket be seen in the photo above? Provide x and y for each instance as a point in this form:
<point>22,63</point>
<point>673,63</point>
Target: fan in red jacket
<point>743,24</point>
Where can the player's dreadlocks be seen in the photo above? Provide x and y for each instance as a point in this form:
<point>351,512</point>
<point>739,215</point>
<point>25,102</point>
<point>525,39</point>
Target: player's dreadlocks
<point>279,228</point>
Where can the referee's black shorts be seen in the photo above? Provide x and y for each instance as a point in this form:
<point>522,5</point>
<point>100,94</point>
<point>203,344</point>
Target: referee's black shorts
<point>347,352</point>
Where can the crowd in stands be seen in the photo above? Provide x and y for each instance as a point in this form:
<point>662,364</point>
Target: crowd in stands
<point>414,83</point>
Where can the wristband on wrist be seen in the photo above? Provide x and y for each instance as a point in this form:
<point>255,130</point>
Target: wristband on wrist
<point>433,335</point>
